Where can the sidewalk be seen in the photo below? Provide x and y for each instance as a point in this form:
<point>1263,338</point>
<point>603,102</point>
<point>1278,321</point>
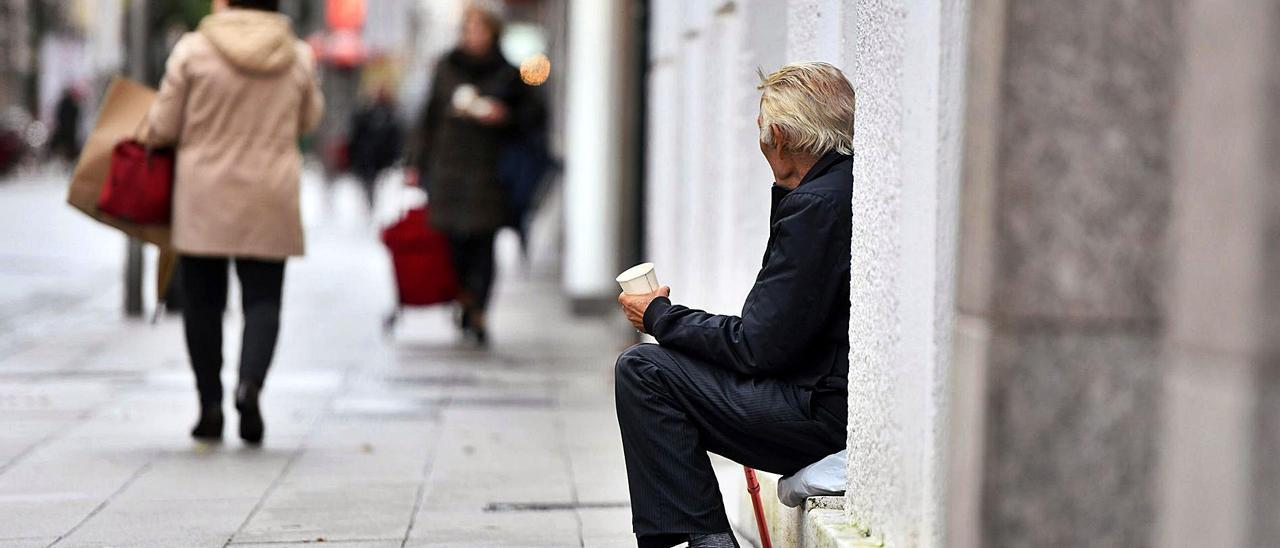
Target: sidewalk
<point>408,441</point>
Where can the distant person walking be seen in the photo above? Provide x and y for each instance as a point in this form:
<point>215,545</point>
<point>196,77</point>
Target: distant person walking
<point>476,103</point>
<point>236,95</point>
<point>375,141</point>
<point>65,141</point>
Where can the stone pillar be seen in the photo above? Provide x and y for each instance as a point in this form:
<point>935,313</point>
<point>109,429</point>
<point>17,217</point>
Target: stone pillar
<point>907,68</point>
<point>593,164</point>
<point>1065,204</point>
<point>1220,466</point>
<point>707,197</point>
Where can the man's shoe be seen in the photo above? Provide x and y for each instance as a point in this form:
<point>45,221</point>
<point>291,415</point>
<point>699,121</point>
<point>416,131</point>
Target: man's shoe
<point>209,428</point>
<point>251,428</point>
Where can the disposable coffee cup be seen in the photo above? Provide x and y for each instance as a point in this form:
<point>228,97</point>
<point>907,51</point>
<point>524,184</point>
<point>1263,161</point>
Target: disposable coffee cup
<point>640,279</point>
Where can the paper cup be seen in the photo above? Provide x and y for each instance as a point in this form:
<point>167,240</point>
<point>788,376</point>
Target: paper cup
<point>640,279</point>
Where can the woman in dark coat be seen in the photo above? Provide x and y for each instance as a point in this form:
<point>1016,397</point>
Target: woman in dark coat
<point>475,105</point>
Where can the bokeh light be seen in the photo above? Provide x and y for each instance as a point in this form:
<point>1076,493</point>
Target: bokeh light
<point>535,69</point>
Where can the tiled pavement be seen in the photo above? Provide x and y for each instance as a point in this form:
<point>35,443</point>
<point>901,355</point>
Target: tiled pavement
<point>412,440</point>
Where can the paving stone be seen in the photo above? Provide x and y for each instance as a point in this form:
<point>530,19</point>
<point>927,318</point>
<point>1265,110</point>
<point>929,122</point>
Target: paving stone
<point>356,510</point>
<point>33,542</point>
<point>43,514</point>
<point>207,522</point>
<point>607,528</point>
<point>213,473</point>
<point>361,543</point>
<point>478,528</point>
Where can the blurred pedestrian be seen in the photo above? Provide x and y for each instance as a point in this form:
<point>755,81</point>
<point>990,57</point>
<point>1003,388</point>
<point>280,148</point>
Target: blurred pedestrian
<point>13,142</point>
<point>523,165</point>
<point>65,141</point>
<point>375,141</point>
<point>236,95</point>
<point>475,105</point>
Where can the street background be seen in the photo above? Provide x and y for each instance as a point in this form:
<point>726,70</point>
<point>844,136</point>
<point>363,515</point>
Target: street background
<point>1064,326</point>
<point>407,440</point>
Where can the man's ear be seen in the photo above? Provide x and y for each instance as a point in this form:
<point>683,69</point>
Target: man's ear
<point>779,142</point>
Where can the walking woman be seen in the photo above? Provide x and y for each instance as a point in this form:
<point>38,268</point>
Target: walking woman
<point>476,104</point>
<point>236,95</point>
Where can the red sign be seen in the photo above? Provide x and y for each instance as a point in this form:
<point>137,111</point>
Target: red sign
<point>344,14</point>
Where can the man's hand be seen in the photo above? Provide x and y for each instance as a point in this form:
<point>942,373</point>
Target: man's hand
<point>635,305</point>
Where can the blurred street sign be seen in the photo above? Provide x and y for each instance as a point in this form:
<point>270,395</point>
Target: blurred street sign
<point>344,14</point>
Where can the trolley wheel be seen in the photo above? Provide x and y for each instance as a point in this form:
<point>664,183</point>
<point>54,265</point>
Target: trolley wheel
<point>389,322</point>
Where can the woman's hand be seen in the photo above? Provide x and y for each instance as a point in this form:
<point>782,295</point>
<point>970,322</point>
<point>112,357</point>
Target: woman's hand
<point>493,114</point>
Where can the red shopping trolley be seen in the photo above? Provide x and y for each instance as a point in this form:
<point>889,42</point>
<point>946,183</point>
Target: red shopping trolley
<point>423,268</point>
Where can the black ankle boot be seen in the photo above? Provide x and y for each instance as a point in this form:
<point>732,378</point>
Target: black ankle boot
<point>209,427</point>
<point>250,414</point>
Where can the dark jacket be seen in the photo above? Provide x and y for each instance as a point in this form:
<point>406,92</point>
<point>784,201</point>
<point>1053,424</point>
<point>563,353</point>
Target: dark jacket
<point>375,139</point>
<point>458,156</point>
<point>795,323</point>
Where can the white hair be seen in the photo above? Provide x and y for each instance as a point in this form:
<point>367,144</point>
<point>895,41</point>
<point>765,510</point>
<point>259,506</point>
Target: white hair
<point>812,103</point>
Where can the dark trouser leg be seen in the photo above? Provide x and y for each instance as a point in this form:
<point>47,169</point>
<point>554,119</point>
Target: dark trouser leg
<point>473,260</point>
<point>261,285</point>
<point>204,283</point>
<point>672,409</point>
<point>369,181</point>
<point>482,269</point>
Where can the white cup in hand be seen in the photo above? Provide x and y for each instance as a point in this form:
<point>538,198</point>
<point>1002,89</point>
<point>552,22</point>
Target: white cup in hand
<point>640,279</point>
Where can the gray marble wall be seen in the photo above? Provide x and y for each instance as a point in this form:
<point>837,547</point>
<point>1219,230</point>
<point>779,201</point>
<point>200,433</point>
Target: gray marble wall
<point>1118,327</point>
<point>1064,219</point>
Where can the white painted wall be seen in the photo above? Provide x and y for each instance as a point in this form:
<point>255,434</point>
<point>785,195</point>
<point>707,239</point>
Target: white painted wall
<point>708,191</point>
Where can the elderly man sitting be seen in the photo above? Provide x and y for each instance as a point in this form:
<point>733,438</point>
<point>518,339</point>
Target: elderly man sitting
<point>768,388</point>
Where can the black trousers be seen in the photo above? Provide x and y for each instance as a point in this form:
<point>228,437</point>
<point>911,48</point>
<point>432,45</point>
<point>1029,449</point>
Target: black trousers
<point>673,408</point>
<point>472,256</point>
<point>204,282</point>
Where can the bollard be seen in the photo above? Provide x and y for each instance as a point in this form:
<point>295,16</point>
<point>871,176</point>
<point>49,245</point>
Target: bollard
<point>133,271</point>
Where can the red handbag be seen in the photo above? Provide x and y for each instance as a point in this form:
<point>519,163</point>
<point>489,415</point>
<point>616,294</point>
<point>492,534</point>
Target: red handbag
<point>421,259</point>
<point>139,186</point>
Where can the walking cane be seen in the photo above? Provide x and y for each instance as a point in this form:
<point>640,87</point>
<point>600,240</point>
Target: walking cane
<point>753,487</point>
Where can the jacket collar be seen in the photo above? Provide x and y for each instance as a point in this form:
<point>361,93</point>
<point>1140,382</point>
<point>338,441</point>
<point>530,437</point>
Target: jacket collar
<point>823,166</point>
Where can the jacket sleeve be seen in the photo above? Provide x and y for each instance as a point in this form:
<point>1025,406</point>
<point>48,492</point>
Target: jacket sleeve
<point>428,120</point>
<point>312,98</point>
<point>786,308</point>
<point>164,119</point>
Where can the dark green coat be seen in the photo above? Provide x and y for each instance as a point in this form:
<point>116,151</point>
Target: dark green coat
<point>457,156</point>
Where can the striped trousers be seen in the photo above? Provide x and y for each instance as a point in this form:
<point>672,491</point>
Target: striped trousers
<point>673,409</point>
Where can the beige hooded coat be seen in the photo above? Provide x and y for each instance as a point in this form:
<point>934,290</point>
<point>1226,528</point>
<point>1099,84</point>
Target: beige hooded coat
<point>236,95</point>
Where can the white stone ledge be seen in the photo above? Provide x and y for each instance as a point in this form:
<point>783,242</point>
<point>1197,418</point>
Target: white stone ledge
<point>819,523</point>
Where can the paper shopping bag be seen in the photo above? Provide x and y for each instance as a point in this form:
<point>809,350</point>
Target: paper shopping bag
<point>122,112</point>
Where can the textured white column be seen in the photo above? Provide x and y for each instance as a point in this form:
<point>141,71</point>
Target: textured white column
<point>663,151</point>
<point>814,30</point>
<point>907,65</point>
<point>591,155</point>
<point>694,239</point>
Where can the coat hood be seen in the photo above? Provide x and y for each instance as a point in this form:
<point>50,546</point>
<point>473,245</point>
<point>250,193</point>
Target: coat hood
<point>252,40</point>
